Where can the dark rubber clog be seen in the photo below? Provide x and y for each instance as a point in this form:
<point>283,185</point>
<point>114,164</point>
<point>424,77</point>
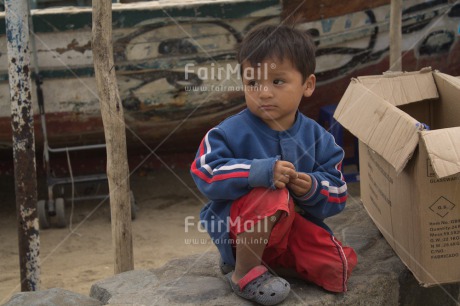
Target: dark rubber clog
<point>260,286</point>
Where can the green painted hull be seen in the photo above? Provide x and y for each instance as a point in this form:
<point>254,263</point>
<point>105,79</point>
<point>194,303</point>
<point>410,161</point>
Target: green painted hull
<point>171,106</point>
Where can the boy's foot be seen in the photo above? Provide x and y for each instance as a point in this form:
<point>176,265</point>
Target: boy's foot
<point>225,268</point>
<point>260,286</point>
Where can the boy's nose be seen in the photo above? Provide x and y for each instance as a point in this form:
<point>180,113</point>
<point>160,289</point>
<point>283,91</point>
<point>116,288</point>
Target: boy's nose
<point>265,92</point>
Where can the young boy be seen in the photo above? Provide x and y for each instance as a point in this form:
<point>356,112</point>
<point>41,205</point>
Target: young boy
<point>262,165</point>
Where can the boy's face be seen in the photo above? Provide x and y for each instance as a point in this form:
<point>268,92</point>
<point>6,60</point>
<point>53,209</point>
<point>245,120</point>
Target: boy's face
<point>273,91</point>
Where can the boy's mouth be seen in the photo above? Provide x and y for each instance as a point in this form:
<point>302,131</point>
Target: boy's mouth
<point>267,107</point>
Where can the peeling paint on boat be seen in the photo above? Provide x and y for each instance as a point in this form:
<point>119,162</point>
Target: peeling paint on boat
<point>153,41</point>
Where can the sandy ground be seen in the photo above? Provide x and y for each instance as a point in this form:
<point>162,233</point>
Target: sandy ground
<point>75,260</point>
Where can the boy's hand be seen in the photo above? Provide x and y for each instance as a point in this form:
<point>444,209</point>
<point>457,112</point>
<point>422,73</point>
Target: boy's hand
<point>300,185</point>
<point>282,174</point>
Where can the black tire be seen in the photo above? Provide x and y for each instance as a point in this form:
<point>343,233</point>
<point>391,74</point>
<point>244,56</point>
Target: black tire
<point>132,201</point>
<point>60,213</point>
<point>42,211</point>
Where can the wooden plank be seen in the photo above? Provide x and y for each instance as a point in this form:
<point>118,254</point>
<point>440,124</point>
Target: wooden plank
<point>395,35</point>
<point>304,11</point>
<point>115,136</point>
<point>125,16</point>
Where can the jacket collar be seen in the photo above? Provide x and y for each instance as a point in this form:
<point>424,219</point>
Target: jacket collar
<point>263,127</point>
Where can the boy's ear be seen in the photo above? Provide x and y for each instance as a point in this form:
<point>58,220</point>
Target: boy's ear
<point>310,83</point>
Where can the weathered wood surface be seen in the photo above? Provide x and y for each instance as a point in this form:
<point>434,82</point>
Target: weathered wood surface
<point>395,35</point>
<point>304,11</point>
<point>154,41</point>
<point>115,136</point>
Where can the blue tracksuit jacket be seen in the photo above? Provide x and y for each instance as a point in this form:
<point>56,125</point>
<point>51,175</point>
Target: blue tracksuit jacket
<point>240,153</point>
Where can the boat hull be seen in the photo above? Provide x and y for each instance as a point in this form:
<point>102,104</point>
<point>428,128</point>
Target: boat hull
<point>176,67</point>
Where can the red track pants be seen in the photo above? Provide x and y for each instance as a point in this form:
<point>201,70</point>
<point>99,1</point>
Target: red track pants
<point>295,243</point>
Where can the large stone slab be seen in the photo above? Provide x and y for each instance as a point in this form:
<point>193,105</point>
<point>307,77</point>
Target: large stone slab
<point>379,279</point>
<point>52,297</point>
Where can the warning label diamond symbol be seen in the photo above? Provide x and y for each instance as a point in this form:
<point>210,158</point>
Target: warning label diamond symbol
<point>442,207</point>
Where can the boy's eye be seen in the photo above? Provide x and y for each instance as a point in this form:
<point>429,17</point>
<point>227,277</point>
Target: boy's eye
<point>278,82</point>
<point>252,83</point>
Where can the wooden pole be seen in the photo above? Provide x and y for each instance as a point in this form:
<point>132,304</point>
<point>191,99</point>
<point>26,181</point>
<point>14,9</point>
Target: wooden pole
<point>115,137</point>
<point>22,122</point>
<point>395,35</point>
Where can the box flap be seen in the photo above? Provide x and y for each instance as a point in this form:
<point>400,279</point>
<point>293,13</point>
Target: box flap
<point>386,129</point>
<point>455,81</point>
<point>447,111</point>
<point>400,88</point>
<point>443,148</point>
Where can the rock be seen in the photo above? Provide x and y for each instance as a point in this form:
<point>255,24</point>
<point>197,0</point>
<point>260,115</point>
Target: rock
<point>379,279</point>
<point>51,297</point>
<point>179,282</point>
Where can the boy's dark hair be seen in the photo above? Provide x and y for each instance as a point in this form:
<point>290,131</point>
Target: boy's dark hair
<point>279,42</point>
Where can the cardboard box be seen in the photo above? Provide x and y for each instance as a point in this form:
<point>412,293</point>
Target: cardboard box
<point>410,174</point>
